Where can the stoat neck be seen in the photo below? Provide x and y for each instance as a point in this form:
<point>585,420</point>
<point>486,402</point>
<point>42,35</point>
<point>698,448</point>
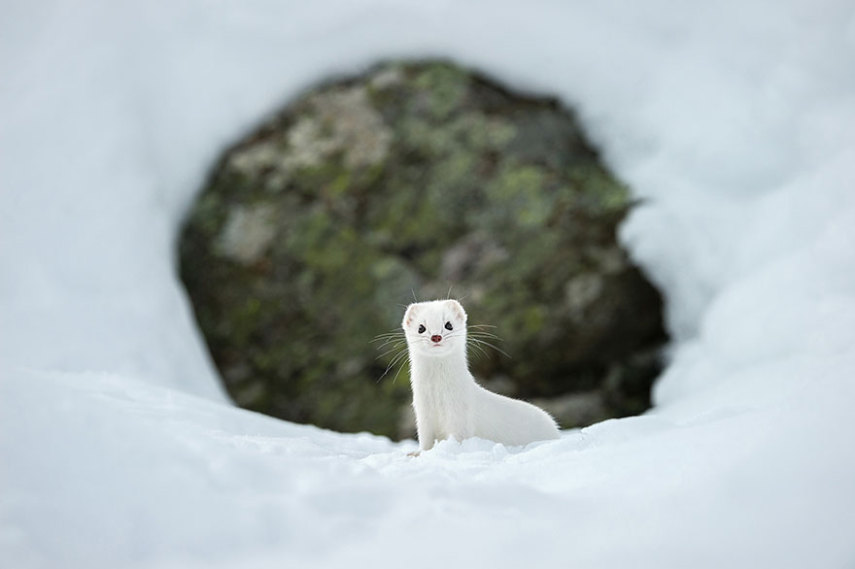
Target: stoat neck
<point>450,368</point>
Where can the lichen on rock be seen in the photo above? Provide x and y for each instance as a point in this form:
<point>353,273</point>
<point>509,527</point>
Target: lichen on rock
<point>417,179</point>
<point>344,122</point>
<point>248,232</point>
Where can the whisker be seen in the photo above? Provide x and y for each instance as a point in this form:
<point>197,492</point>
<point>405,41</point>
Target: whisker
<point>395,330</point>
<point>389,350</point>
<point>501,351</point>
<point>389,342</point>
<point>397,363</point>
<point>394,339</point>
<point>400,367</point>
<point>394,344</point>
<point>484,335</point>
<point>479,352</point>
<point>455,334</point>
<point>398,359</point>
<point>385,371</point>
<point>486,338</point>
<point>395,348</point>
<point>482,329</point>
<point>388,335</point>
<point>485,343</point>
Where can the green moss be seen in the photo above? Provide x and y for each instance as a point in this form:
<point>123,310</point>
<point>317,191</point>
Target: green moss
<point>519,196</point>
<point>208,214</point>
<point>604,191</point>
<point>480,132</point>
<point>445,86</point>
<point>339,185</point>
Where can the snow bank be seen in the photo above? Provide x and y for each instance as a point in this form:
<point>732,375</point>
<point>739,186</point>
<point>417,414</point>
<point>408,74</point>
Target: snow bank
<point>733,122</point>
<point>110,472</point>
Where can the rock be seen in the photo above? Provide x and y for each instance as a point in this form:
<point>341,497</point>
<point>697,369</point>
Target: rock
<point>418,179</point>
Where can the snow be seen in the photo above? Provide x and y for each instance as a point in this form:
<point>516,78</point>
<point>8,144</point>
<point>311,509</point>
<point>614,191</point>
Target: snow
<point>734,123</point>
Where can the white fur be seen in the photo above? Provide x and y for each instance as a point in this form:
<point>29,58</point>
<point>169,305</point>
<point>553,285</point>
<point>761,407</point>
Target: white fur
<point>447,400</point>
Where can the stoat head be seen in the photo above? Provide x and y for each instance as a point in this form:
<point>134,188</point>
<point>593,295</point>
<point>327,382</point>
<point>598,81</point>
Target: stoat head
<point>435,328</point>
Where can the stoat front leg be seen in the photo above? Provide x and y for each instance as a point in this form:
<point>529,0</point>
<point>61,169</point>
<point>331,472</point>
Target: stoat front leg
<point>426,434</point>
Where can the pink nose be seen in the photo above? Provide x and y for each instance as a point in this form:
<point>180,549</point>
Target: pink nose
<point>436,338</point>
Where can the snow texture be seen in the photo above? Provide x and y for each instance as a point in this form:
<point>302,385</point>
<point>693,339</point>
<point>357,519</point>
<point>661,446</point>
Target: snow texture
<point>734,123</point>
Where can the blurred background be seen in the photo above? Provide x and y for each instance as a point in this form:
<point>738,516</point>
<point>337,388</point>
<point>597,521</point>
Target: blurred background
<point>418,180</point>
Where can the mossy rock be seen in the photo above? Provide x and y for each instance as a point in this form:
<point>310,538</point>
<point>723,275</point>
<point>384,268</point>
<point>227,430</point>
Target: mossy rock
<point>416,179</point>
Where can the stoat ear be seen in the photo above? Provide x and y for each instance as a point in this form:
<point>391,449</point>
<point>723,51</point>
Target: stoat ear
<point>409,315</point>
<point>457,310</point>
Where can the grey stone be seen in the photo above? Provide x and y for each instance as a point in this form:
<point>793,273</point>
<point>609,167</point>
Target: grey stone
<point>418,180</point>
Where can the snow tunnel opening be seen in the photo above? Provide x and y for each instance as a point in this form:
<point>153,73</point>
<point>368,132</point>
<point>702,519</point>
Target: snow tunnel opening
<point>418,179</point>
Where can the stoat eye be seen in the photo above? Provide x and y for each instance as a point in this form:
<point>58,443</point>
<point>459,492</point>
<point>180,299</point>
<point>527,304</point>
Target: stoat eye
<point>422,329</point>
<point>448,326</point>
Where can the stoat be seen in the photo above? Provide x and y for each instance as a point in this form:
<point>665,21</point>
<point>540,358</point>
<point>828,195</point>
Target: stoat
<point>447,400</point>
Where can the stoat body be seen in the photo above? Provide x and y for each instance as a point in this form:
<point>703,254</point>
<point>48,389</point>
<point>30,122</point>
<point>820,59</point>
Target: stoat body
<point>446,398</point>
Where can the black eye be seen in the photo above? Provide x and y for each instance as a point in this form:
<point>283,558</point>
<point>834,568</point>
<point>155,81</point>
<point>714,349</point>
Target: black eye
<point>422,329</point>
<point>448,326</point>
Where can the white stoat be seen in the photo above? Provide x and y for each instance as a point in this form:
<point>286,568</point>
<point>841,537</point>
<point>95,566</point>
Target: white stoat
<point>447,400</point>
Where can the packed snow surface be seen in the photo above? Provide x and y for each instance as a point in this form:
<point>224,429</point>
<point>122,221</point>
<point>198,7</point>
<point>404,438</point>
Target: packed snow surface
<point>734,123</point>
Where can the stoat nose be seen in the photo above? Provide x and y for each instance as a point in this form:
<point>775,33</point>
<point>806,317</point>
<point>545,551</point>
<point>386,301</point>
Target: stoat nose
<point>436,338</point>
